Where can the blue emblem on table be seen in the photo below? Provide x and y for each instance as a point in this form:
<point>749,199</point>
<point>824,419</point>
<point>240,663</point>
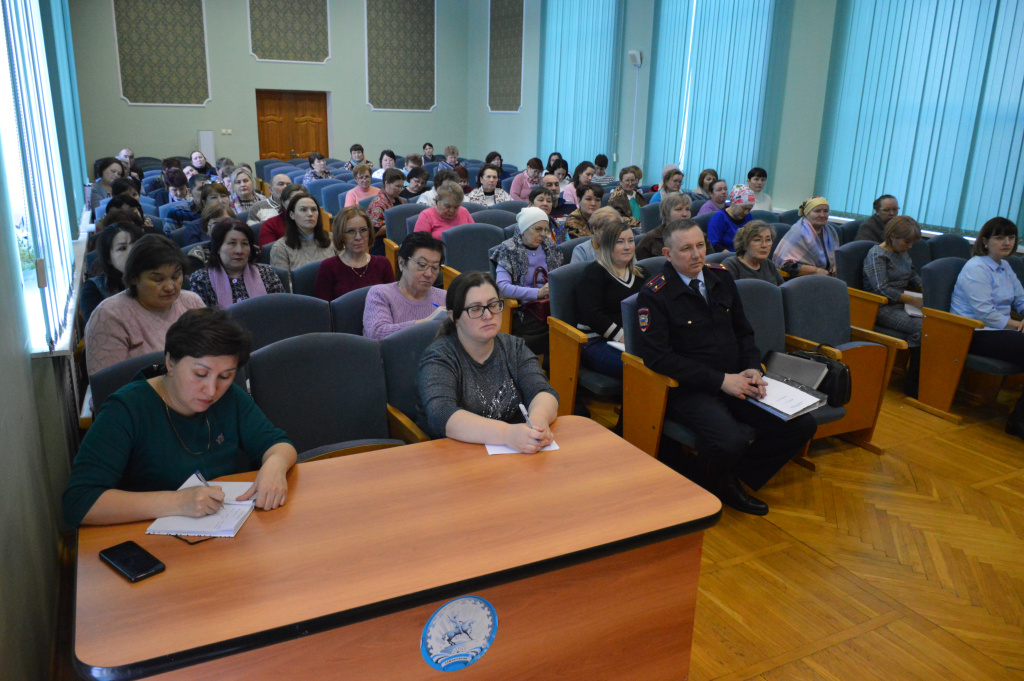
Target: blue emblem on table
<point>459,633</point>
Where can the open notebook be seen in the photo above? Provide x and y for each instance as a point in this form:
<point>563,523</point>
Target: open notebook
<point>224,523</point>
<point>791,386</point>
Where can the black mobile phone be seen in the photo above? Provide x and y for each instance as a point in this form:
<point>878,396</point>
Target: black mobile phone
<point>132,561</point>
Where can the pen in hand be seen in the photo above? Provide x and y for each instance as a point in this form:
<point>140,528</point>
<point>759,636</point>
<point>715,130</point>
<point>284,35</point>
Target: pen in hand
<point>201,478</point>
<point>526,415</point>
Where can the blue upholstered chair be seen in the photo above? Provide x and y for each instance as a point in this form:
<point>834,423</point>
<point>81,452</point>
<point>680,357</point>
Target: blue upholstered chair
<point>850,270</point>
<point>920,254</point>
<point>506,184</point>
<point>285,276</point>
<point>402,351</point>
<point>718,257</point>
<point>848,231</point>
<point>316,188</point>
<point>277,316</point>
<point>511,206</point>
<point>498,218</point>
<point>271,169</point>
<point>334,196</point>
<point>703,220</point>
<point>347,311</point>
<point>165,210</point>
<point>365,203</point>
<point>566,247</point>
<point>789,217</point>
<point>765,215</point>
<point>304,278</point>
<point>473,208</point>
<point>650,217</point>
<point>948,246</point>
<point>398,223</point>
<point>108,381</point>
<point>779,230</point>
<point>466,248</point>
<point>306,386</point>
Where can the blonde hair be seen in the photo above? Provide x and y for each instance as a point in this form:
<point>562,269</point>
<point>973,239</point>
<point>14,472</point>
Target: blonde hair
<point>604,245</point>
<point>340,222</point>
<point>599,219</point>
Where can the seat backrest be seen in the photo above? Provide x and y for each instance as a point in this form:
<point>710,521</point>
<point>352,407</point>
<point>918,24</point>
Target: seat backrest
<point>166,209</point>
<point>316,188</point>
<point>410,227</point>
<point>567,247</point>
<point>703,220</point>
<point>506,184</point>
<point>779,229</point>
<point>818,309</point>
<point>277,316</point>
<point>321,388</point>
<point>402,352</point>
<point>718,257</point>
<point>850,262</point>
<point>473,208</point>
<point>498,218</point>
<point>921,255</point>
<point>848,231</point>
<point>510,230</point>
<point>347,311</point>
<point>431,168</point>
<point>466,246</point>
<point>296,174</point>
<point>271,169</point>
<point>938,279</point>
<point>790,217</point>
<point>765,215</point>
<point>178,235</point>
<point>653,264</point>
<point>108,381</point>
<point>395,219</point>
<point>948,246</point>
<point>562,284</point>
<point>762,306</point>
<point>630,324</point>
<point>650,217</point>
<point>334,196</point>
<point>284,275</point>
<point>365,203</point>
<point>304,278</point>
<point>1017,265</point>
<point>511,206</point>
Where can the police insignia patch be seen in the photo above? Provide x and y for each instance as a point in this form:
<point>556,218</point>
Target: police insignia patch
<point>644,316</point>
<point>656,283</point>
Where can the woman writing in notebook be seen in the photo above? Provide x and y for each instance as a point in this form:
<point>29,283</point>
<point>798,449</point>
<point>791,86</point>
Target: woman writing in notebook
<point>151,435</point>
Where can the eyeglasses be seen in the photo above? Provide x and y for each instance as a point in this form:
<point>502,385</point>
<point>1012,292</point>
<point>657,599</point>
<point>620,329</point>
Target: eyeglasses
<point>477,311</point>
<point>423,266</point>
<point>542,230</point>
<point>1002,238</point>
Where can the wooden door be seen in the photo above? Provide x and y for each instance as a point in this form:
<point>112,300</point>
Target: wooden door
<point>292,124</point>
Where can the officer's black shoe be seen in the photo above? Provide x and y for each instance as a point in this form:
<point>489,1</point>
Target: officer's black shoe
<point>731,494</point>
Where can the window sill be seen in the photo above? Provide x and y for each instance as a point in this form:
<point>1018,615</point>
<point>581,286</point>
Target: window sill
<point>34,306</point>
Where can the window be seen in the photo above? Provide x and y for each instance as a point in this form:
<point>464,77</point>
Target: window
<point>924,102</point>
<point>33,164</point>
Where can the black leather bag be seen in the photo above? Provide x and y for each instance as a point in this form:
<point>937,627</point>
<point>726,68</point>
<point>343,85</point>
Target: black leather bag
<point>836,384</point>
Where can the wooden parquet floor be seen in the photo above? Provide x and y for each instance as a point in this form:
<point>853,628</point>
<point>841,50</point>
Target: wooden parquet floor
<point>908,565</point>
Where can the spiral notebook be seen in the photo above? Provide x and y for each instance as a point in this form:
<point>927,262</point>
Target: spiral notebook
<point>224,523</point>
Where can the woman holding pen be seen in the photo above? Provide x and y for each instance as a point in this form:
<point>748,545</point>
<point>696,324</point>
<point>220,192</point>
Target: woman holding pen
<point>473,380</point>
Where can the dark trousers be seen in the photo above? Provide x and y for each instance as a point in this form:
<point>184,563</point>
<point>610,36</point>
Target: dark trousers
<point>1006,345</point>
<point>532,330</point>
<point>724,448</point>
<point>598,356</point>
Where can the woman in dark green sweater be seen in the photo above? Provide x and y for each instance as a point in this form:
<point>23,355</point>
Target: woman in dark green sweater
<point>151,435</point>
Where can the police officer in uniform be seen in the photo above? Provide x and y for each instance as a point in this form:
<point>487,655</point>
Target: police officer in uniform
<point>693,330</point>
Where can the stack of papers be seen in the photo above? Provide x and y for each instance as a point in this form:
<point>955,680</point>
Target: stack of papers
<point>224,523</point>
<point>788,401</point>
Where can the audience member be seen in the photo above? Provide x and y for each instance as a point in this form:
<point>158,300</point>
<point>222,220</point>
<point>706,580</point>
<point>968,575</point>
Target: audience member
<point>232,273</point>
<point>809,247</point>
<point>105,171</point>
<point>561,173</point>
<point>418,178</point>
<point>356,158</point>
<point>428,153</point>
<point>753,242</point>
<point>886,207</point>
<point>495,159</point>
<point>600,220</point>
<point>723,224</point>
<point>447,213</point>
<point>525,181</point>
<point>577,224</point>
<point>605,283</point>
<point>544,199</point>
<point>473,379</point>
<point>626,199</point>
<point>487,192</point>
<point>216,205</point>
<point>363,188</point>
<point>413,161</point>
<point>693,330</point>
<point>673,207</point>
<point>125,203</point>
<point>135,321</point>
<point>244,195</point>
<point>451,158</point>
<point>273,228</point>
<point>553,158</point>
<point>522,264</point>
<point>148,438</point>
<point>559,206</point>
<point>463,174</point>
<point>601,177</point>
<point>355,267</point>
<point>224,175</point>
<point>387,162</point>
<point>582,175</point>
<point>757,178</point>
<point>429,197</point>
<point>270,206</point>
<point>201,165</point>
<point>175,188</point>
<point>127,186</point>
<point>113,245</point>
<point>394,183</point>
<point>989,291</point>
<point>318,169</point>
<point>704,180</point>
<point>719,195</point>
<point>671,181</point>
<point>303,242</point>
<point>413,298</point>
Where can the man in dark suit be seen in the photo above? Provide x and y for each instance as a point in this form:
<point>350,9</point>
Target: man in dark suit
<point>693,330</point>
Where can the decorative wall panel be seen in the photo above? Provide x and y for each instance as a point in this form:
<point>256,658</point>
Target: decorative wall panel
<point>161,52</point>
<point>294,31</point>
<point>400,42</point>
<point>505,56</point>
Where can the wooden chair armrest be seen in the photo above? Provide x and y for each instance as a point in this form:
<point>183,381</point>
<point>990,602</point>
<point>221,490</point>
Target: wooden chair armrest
<point>797,343</point>
<point>325,220</point>
<point>571,332</point>
<point>401,427</point>
<point>952,318</point>
<point>644,398</point>
<point>391,253</point>
<point>857,333</point>
<point>636,363</point>
<point>865,295</point>
<point>449,273</point>
<point>506,314</point>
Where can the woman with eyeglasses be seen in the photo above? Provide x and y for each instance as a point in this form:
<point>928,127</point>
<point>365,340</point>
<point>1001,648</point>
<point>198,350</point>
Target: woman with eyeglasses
<point>150,436</point>
<point>988,290</point>
<point>522,263</point>
<point>354,267</point>
<point>472,379</point>
<point>413,298</point>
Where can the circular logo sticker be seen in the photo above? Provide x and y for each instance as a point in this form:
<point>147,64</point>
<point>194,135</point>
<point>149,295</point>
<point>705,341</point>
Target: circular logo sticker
<point>459,633</point>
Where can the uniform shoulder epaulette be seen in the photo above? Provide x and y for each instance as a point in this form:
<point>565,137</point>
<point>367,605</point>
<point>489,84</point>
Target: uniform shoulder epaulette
<point>656,282</point>
<point>715,266</point>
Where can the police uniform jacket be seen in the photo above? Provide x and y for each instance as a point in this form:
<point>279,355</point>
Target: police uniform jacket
<point>693,341</point>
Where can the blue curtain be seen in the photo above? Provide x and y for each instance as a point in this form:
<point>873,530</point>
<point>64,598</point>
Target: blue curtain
<point>580,62</point>
<point>709,89</point>
<point>924,102</point>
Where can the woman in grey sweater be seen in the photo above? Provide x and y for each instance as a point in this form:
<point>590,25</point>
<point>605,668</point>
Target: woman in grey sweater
<point>472,379</point>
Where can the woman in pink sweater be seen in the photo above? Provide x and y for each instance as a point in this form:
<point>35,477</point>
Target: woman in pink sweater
<point>525,181</point>
<point>363,190</point>
<point>446,214</point>
<point>413,298</point>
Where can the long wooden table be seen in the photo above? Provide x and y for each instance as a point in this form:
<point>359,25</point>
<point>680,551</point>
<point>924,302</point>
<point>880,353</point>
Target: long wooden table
<point>589,554</point>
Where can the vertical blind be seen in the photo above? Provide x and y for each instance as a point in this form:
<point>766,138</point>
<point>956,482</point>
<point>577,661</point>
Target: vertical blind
<point>925,102</point>
<point>580,62</point>
<point>46,200</point>
<point>709,86</point>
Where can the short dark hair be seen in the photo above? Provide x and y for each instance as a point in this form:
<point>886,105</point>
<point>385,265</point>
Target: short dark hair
<point>122,201</point>
<point>601,161</point>
<point>717,181</point>
<point>757,172</point>
<point>219,234</point>
<point>678,226</point>
<point>196,179</point>
<point>427,144</point>
<point>537,191</point>
<point>176,178</point>
<point>355,147</point>
<point>316,156</point>
<point>414,159</point>
<point>393,175</point>
<point>207,332</point>
<point>580,169</point>
<point>484,168</point>
<point>597,189</point>
<point>289,189</point>
<point>387,152</point>
<point>877,203</point>
<point>170,162</point>
<point>535,163</point>
<point>418,171</point>
<point>994,227</point>
<point>103,164</point>
<point>493,155</point>
<point>210,189</point>
<point>455,299</point>
<point>123,185</point>
<point>446,175</point>
<point>415,242</point>
<point>292,236</point>
<point>151,252</point>
<point>104,242</point>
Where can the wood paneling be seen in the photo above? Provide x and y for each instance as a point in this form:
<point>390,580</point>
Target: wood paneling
<point>291,123</point>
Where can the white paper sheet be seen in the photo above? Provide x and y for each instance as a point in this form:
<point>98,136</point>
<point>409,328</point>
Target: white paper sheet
<point>784,398</point>
<point>232,490</point>
<point>502,449</point>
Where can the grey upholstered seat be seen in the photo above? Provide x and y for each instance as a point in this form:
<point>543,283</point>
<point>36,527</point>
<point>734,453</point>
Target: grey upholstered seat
<point>466,246</point>
<point>396,217</point>
<point>402,352</point>
<point>277,316</point>
<point>347,311</point>
<point>106,382</point>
